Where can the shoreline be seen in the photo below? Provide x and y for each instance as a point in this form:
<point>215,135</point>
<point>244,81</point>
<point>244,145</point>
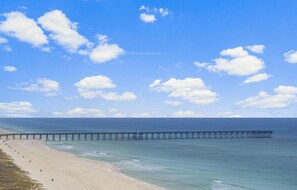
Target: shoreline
<point>56,169</point>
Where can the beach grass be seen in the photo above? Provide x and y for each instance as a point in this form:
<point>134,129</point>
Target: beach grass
<point>13,178</point>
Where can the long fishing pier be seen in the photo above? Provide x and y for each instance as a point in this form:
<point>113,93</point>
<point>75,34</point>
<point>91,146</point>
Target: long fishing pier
<point>84,136</point>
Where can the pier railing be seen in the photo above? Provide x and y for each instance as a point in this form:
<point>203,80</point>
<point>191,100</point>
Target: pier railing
<point>79,136</point>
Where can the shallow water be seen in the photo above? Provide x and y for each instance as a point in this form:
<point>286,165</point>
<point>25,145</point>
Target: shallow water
<point>221,164</point>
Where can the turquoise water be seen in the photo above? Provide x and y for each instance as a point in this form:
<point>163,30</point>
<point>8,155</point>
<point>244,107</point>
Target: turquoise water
<point>264,164</point>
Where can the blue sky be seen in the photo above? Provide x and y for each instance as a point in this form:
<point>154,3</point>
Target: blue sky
<point>120,58</point>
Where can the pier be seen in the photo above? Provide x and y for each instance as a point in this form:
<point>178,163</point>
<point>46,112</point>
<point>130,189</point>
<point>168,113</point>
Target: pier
<point>91,136</point>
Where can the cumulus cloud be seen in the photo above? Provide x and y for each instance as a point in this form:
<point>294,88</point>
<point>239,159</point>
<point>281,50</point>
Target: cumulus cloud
<point>46,49</point>
<point>118,115</point>
<point>16,109</point>
<point>142,115</point>
<point>93,86</point>
<point>62,30</point>
<point>149,15</point>
<point>201,64</point>
<point>46,86</point>
<point>173,103</point>
<point>9,68</point>
<point>91,112</point>
<point>237,61</point>
<point>80,112</point>
<point>256,48</point>
<point>23,28</point>
<point>104,51</point>
<point>155,83</point>
<point>3,40</point>
<point>234,52</point>
<point>7,48</point>
<point>95,82</point>
<point>163,11</point>
<point>113,96</point>
<point>284,96</point>
<point>186,114</point>
<point>228,114</point>
<point>257,78</point>
<point>112,110</point>
<point>190,89</point>
<point>144,8</point>
<point>148,18</point>
<point>291,56</point>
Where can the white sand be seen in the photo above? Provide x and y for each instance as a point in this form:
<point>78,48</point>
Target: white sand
<point>68,171</point>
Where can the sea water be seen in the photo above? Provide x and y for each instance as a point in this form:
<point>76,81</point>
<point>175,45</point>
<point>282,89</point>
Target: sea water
<point>214,164</point>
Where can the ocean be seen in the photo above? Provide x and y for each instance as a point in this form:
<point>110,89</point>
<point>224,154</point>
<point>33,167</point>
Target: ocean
<point>215,164</point>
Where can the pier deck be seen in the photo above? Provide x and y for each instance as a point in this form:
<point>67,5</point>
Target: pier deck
<point>79,136</point>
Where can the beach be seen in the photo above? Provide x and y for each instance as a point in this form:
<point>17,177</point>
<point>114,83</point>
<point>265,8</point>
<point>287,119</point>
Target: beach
<point>204,164</point>
<point>60,170</point>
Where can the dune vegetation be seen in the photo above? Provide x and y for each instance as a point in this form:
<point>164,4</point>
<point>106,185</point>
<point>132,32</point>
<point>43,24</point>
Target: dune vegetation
<point>12,177</point>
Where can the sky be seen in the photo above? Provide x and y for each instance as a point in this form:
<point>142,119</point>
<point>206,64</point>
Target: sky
<point>142,58</point>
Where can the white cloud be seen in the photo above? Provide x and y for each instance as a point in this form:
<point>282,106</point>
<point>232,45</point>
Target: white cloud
<point>7,48</point>
<point>186,114</point>
<point>256,48</point>
<point>102,38</point>
<point>80,112</point>
<point>23,28</point>
<point>104,51</point>
<point>237,61</point>
<point>113,96</point>
<point>92,87</point>
<point>95,82</point>
<point>144,8</point>
<point>9,68</point>
<point>163,11</point>
<point>173,103</point>
<point>142,115</point>
<point>62,30</point>
<point>284,96</point>
<point>113,110</point>
<point>148,18</point>
<point>257,78</point>
<point>156,83</point>
<point>228,114</point>
<point>291,56</point>
<point>190,89</point>
<point>46,86</point>
<point>201,64</point>
<point>83,112</point>
<point>149,15</point>
<point>46,49</point>
<point>16,109</point>
<point>234,52</point>
<point>3,40</point>
<point>118,115</point>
